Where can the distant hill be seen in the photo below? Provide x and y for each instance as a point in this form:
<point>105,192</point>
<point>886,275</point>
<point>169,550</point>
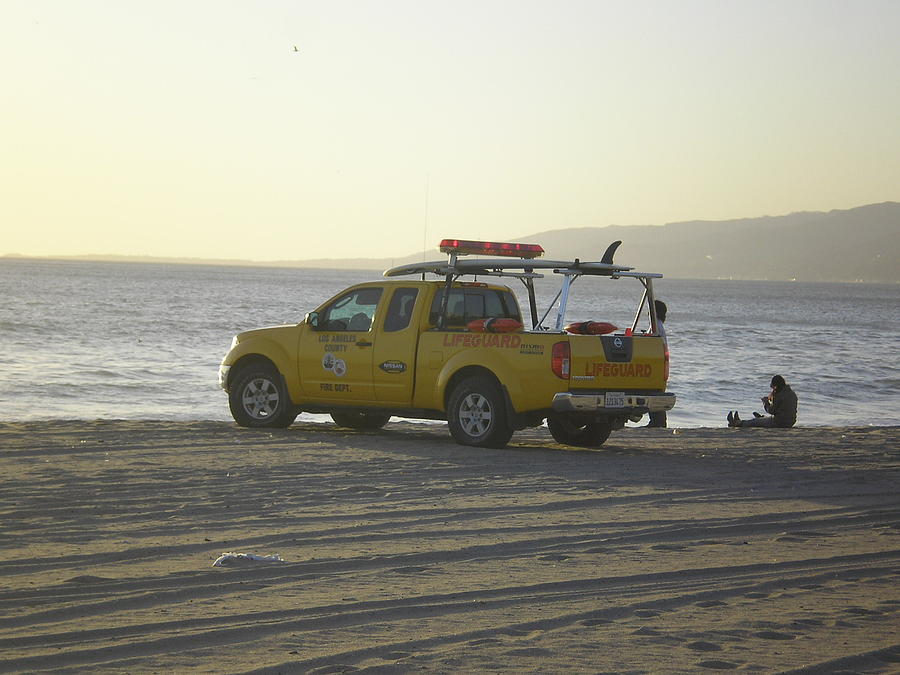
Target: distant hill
<point>859,244</point>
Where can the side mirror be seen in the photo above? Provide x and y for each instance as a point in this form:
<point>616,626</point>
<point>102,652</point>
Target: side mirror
<point>312,320</point>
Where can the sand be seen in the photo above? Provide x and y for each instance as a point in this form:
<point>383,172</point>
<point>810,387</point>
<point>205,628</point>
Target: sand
<point>666,551</point>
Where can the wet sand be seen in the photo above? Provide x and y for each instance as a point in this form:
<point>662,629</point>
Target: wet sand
<point>703,550</point>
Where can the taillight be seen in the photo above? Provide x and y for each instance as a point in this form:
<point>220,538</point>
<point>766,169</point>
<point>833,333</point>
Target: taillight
<point>562,356</point>
<point>667,363</point>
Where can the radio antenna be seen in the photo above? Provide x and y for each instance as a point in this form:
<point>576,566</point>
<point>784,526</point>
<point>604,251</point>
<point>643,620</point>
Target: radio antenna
<point>425,224</point>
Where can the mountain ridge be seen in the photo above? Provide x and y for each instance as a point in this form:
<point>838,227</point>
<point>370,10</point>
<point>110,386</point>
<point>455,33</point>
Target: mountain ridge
<point>860,244</point>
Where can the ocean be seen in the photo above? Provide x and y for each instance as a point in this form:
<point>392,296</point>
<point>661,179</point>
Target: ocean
<point>105,340</point>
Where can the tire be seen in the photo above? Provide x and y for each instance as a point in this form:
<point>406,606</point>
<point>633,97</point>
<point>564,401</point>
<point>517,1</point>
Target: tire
<point>571,431</point>
<point>360,420</point>
<point>477,414</point>
<point>258,398</point>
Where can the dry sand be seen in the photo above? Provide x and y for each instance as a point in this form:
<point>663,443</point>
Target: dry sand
<point>709,549</point>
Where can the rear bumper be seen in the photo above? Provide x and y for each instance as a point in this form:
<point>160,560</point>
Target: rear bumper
<point>568,401</point>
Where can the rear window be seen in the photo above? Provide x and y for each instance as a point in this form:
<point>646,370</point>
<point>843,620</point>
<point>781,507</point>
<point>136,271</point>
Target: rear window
<point>468,304</point>
<point>400,310</point>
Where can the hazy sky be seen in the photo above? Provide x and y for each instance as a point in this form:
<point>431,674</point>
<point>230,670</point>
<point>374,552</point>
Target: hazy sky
<point>191,128</point>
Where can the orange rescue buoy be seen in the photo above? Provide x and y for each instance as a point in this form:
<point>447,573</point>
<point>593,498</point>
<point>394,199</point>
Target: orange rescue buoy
<point>591,328</point>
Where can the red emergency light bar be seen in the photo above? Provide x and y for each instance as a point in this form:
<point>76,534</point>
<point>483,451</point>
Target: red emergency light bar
<point>464,247</point>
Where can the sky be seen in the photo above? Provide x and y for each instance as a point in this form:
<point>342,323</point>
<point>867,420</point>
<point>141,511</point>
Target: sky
<point>288,130</point>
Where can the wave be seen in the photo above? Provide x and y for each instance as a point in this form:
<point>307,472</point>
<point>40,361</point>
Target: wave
<point>101,373</point>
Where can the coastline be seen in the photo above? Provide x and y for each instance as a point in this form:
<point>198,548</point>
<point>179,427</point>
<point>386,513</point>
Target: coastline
<point>705,549</point>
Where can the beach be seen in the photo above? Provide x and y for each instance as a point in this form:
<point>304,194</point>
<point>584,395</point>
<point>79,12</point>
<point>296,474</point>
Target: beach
<point>666,550</point>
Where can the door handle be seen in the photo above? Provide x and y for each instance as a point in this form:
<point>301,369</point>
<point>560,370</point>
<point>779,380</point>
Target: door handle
<point>363,344</point>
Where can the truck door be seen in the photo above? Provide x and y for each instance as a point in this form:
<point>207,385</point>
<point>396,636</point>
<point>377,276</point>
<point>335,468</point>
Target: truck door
<point>395,348</point>
<point>336,358</point>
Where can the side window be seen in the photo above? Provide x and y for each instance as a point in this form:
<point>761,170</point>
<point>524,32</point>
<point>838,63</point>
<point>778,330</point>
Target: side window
<point>352,311</point>
<point>476,307</point>
<point>499,305</point>
<point>400,310</point>
<point>466,304</point>
<point>456,308</point>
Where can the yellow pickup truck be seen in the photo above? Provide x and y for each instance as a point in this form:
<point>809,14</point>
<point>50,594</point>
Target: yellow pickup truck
<point>458,350</point>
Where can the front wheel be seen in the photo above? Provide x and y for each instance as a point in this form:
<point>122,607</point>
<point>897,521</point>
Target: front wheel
<point>477,414</point>
<point>360,420</point>
<point>580,434</point>
<point>258,398</point>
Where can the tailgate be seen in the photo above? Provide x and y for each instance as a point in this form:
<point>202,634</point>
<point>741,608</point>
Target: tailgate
<point>618,362</point>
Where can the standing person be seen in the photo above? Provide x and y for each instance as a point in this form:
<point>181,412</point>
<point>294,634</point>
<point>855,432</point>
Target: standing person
<point>658,418</point>
<point>781,404</point>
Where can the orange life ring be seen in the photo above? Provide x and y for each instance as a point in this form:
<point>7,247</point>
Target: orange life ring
<point>591,328</point>
<point>494,326</point>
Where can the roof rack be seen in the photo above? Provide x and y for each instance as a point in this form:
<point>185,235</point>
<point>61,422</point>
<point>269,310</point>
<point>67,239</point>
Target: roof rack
<point>522,267</point>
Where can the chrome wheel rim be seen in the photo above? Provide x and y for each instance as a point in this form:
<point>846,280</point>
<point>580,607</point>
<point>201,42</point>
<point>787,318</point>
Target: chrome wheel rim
<point>260,398</point>
<point>475,414</point>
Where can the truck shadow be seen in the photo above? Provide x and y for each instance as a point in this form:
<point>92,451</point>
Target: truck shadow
<point>829,462</point>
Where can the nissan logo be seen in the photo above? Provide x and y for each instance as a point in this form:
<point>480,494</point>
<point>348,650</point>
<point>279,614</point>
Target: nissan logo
<point>618,343</point>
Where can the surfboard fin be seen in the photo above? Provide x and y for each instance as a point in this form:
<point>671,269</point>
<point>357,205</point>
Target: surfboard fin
<point>607,258</point>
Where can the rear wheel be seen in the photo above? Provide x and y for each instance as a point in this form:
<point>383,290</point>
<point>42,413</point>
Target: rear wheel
<point>258,398</point>
<point>360,420</point>
<point>581,434</point>
<point>477,414</point>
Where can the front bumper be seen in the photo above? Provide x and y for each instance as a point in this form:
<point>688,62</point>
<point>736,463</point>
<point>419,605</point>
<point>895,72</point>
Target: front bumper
<point>568,401</point>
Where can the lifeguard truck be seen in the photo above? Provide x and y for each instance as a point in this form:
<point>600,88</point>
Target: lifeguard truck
<point>457,348</point>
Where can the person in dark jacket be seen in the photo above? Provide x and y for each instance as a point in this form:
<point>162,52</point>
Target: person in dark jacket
<point>658,418</point>
<point>781,405</point>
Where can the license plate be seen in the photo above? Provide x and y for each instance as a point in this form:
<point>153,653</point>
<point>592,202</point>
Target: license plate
<point>615,399</point>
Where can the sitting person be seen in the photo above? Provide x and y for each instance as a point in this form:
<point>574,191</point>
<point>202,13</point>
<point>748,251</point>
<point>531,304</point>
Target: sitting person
<point>781,405</point>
